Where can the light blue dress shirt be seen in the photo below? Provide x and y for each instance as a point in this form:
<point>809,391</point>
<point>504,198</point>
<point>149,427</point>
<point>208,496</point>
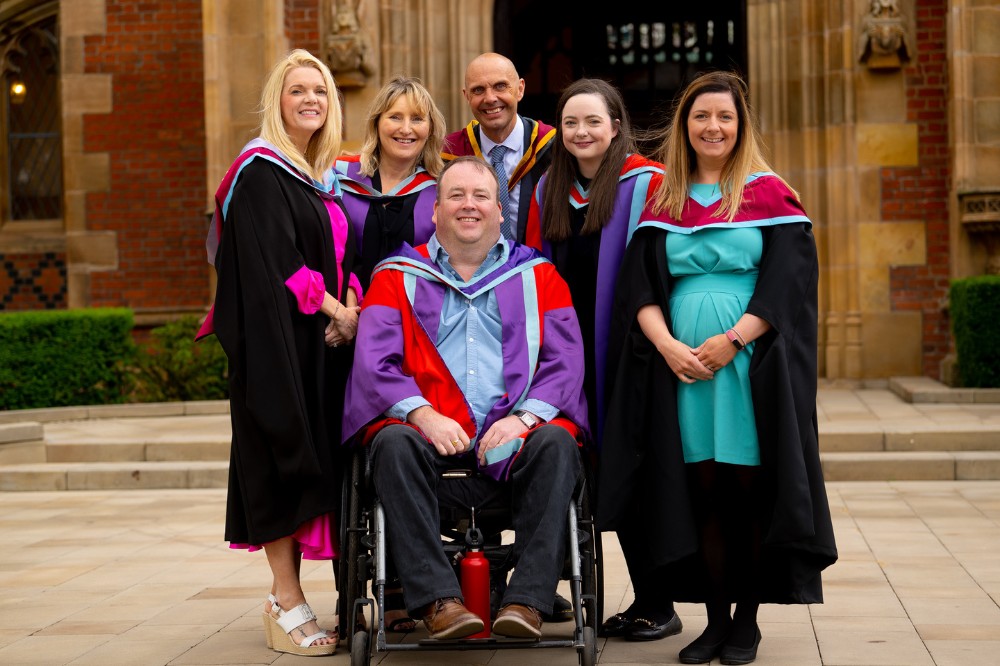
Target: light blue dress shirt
<point>470,341</point>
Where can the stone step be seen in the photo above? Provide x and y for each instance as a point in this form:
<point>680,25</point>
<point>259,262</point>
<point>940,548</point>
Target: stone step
<point>21,443</point>
<point>133,439</point>
<point>863,437</point>
<point>837,466</point>
<point>130,410</point>
<point>911,466</point>
<point>114,475</point>
<point>833,439</point>
<point>916,390</point>
<point>209,448</point>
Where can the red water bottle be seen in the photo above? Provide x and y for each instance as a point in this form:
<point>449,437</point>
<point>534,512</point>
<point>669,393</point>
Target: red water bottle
<point>475,578</point>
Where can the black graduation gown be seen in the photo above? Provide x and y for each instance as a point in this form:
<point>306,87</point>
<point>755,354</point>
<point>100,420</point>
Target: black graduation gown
<point>286,385</point>
<point>642,484</point>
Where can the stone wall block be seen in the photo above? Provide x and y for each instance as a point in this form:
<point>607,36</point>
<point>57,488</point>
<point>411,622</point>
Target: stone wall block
<point>892,244</point>
<point>82,17</point>
<point>90,172</point>
<point>869,184</point>
<point>96,250</point>
<point>86,93</point>
<point>887,144</point>
<point>880,98</point>
<point>987,116</point>
<point>891,343</point>
<point>986,81</point>
<point>986,30</point>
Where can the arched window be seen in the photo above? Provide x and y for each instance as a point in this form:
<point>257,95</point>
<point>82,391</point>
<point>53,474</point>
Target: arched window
<point>31,121</point>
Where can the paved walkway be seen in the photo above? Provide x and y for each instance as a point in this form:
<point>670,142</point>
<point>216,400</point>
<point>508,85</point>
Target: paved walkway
<point>143,576</point>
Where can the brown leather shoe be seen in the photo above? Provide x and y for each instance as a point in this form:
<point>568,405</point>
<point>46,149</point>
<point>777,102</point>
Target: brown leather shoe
<point>448,618</point>
<point>518,621</point>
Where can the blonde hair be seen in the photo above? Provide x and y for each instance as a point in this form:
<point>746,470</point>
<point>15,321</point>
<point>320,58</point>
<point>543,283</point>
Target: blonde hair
<point>423,103</point>
<point>324,145</point>
<point>680,161</point>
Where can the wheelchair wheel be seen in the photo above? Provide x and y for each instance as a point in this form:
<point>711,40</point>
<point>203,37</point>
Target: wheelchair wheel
<point>592,568</point>
<point>348,580</point>
<point>360,654</point>
<point>588,656</point>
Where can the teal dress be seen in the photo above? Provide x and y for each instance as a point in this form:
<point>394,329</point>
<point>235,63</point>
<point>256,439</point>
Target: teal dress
<point>714,274</point>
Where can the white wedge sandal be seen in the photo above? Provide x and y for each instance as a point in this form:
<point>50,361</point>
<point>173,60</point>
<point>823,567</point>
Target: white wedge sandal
<point>280,623</point>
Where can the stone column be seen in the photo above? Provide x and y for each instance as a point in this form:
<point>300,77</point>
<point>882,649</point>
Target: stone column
<point>243,38</point>
<point>801,85</point>
<point>83,172</point>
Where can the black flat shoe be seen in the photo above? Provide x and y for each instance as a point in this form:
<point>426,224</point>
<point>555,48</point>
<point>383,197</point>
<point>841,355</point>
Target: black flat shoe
<point>615,626</point>
<point>698,652</point>
<point>732,654</point>
<point>642,629</point>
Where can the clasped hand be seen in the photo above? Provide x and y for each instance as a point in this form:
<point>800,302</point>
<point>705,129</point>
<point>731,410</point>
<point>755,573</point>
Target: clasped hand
<point>343,326</point>
<point>701,362</point>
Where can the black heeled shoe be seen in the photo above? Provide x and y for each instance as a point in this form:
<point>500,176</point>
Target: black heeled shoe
<point>733,655</point>
<point>644,629</point>
<point>700,651</point>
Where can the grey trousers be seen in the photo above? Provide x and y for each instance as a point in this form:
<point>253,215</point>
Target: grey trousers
<point>407,475</point>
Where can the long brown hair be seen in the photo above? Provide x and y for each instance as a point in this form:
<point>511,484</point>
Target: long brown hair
<point>562,172</point>
<point>680,161</point>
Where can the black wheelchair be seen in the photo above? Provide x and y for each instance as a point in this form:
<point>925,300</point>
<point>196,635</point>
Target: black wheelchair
<point>364,566</point>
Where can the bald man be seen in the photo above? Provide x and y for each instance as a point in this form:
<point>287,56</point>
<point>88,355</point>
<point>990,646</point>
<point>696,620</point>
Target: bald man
<point>493,89</point>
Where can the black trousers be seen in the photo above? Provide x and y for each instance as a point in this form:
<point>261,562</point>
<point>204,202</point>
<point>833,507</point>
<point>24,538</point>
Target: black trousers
<point>407,474</point>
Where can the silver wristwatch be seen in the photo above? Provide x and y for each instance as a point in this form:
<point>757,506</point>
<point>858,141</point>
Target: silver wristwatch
<point>527,418</point>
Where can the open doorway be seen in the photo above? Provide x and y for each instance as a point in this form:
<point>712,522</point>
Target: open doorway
<point>648,50</point>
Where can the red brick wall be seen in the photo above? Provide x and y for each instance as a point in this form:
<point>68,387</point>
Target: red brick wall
<point>921,192</point>
<point>155,137</point>
<point>302,25</point>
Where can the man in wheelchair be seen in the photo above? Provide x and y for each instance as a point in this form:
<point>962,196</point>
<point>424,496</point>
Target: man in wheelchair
<point>469,355</point>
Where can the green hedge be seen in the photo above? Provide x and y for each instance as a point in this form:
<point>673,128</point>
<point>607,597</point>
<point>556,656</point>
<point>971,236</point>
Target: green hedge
<point>975,321</point>
<point>66,357</point>
<point>175,367</point>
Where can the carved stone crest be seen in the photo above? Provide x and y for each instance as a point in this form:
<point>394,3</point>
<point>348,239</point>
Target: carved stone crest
<point>347,49</point>
<point>885,37</point>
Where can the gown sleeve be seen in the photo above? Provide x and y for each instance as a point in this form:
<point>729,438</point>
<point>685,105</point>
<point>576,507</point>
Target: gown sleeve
<point>785,276</point>
<point>308,287</point>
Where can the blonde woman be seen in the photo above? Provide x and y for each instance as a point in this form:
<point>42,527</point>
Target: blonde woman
<point>285,309</point>
<point>389,189</point>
